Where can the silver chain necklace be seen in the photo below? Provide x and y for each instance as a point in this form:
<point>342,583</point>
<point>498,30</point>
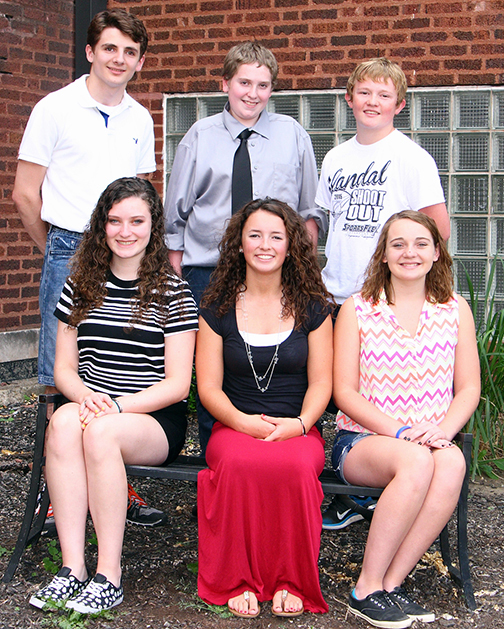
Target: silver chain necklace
<point>271,367</point>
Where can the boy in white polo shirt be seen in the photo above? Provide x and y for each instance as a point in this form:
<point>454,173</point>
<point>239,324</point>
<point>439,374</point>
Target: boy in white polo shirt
<point>77,141</point>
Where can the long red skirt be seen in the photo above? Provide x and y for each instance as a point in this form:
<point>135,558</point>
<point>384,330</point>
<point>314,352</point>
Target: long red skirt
<point>259,518</point>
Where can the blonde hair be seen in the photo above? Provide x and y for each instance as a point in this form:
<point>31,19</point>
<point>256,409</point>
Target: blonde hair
<point>379,69</point>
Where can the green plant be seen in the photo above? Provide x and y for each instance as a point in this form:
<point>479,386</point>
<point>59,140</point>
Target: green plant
<point>193,567</point>
<point>198,605</point>
<point>72,619</point>
<point>191,400</point>
<point>52,562</point>
<point>487,421</point>
<point>4,551</point>
<point>93,540</point>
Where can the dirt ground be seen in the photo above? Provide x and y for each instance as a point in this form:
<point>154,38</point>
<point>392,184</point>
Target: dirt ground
<point>159,564</point>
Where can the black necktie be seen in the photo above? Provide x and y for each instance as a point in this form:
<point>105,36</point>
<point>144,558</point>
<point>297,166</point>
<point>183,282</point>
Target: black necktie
<point>241,182</point>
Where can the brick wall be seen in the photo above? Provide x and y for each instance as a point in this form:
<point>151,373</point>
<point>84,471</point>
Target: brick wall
<point>36,57</point>
<point>316,42</point>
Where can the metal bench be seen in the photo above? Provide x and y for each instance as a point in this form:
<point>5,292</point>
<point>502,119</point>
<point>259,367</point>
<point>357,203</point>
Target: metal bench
<point>187,468</point>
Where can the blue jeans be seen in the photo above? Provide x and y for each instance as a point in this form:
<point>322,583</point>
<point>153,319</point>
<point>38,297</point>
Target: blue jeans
<point>343,443</point>
<point>198,278</point>
<point>60,247</point>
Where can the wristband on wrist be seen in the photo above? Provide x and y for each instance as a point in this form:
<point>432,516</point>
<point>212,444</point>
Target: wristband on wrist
<point>402,429</point>
<point>119,407</point>
<point>302,425</point>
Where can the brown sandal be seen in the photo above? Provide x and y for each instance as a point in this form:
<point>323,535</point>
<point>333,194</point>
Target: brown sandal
<point>246,596</point>
<point>283,613</point>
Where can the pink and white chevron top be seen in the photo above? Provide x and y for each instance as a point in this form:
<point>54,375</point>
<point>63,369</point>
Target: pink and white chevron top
<point>409,379</point>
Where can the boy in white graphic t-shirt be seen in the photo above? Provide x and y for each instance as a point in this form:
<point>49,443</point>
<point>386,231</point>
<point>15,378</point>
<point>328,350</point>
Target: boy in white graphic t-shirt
<point>373,175</point>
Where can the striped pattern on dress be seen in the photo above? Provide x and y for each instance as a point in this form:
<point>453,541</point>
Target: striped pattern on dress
<point>116,358</point>
<point>408,378</point>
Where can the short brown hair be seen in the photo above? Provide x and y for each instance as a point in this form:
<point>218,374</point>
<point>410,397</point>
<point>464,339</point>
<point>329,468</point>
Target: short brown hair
<point>439,280</point>
<point>379,69</point>
<point>249,52</point>
<point>125,22</point>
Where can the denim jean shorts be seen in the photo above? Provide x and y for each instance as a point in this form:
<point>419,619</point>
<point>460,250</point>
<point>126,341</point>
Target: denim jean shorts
<point>60,247</point>
<point>343,443</point>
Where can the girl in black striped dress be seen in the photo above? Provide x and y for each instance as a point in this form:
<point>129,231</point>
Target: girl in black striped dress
<point>124,352</point>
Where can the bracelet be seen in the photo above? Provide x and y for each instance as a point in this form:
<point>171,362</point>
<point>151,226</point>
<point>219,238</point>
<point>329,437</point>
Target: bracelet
<point>302,425</point>
<point>119,407</point>
<point>402,429</point>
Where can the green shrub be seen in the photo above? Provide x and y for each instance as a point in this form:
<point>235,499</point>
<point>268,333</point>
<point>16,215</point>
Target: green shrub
<point>487,421</point>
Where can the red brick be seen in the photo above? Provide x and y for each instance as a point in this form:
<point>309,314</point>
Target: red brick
<point>412,24</point>
<point>242,5</point>
<point>7,323</point>
<point>463,64</point>
<point>449,51</point>
<point>14,307</point>
<point>217,5</point>
<point>429,36</point>
<point>349,40</point>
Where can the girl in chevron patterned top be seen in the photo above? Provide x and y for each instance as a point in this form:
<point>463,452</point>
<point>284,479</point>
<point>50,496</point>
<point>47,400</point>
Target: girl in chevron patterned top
<point>406,378</point>
<point>124,353</point>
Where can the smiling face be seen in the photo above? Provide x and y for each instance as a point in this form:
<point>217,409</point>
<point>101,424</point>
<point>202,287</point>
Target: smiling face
<point>264,242</point>
<point>374,104</point>
<point>410,251</point>
<point>128,231</point>
<point>248,92</point>
<point>115,59</point>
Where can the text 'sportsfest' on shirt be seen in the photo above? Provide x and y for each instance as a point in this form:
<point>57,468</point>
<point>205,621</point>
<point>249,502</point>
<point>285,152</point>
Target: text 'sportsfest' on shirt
<point>117,359</point>
<point>408,378</point>
<point>362,186</point>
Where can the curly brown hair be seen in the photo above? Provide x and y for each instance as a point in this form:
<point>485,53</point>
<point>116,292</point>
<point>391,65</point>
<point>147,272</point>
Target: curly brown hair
<point>301,277</point>
<point>91,264</point>
<point>439,280</point>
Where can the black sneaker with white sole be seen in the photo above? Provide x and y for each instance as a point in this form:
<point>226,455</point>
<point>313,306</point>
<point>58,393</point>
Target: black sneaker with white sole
<point>97,596</point>
<point>402,599</point>
<point>63,587</point>
<point>344,510</point>
<point>379,611</point>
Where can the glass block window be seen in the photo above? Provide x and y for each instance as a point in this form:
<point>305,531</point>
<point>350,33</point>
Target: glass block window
<point>462,128</point>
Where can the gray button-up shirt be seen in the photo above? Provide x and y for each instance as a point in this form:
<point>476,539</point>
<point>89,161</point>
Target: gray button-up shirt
<point>198,198</point>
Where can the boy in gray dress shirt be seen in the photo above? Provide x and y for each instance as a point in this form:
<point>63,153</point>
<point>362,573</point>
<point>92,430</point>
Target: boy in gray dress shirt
<point>198,198</point>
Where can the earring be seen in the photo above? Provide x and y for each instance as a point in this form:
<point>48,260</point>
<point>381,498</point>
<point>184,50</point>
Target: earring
<point>241,250</point>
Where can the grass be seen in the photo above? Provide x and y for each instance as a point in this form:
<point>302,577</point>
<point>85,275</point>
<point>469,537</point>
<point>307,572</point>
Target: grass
<point>487,422</point>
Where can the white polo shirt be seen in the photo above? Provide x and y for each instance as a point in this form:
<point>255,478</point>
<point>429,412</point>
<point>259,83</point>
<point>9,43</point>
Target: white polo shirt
<point>67,133</point>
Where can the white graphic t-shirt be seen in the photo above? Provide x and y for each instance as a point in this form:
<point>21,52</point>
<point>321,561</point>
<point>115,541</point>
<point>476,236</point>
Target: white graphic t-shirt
<point>362,186</point>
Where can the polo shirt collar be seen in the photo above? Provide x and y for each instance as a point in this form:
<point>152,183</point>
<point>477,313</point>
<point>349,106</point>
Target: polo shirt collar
<point>86,100</point>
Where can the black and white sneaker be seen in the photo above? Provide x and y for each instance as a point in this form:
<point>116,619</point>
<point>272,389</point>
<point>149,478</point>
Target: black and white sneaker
<point>97,596</point>
<point>379,611</point>
<point>402,599</point>
<point>62,587</point>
